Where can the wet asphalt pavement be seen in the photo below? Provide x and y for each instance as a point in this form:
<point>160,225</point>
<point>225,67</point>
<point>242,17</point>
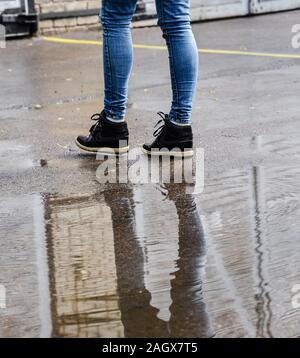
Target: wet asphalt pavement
<point>84,259</point>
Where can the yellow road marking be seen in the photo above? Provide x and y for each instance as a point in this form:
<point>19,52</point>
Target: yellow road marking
<point>163,48</point>
<point>72,41</point>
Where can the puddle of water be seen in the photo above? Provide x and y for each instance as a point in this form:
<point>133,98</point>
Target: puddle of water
<point>285,146</point>
<point>152,261</point>
<point>118,269</point>
<point>23,268</point>
<point>14,157</point>
<point>253,219</point>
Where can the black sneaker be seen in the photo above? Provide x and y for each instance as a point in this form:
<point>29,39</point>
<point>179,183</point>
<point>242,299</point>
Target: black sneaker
<point>105,136</point>
<point>171,140</point>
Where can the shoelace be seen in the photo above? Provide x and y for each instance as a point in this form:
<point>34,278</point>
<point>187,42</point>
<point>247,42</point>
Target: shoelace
<point>164,118</point>
<point>96,117</point>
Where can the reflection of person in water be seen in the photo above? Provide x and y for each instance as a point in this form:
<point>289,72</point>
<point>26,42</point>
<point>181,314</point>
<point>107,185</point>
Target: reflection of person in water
<point>188,312</point>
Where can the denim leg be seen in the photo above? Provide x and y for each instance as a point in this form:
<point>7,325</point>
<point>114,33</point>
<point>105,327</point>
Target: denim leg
<point>116,17</point>
<point>174,20</point>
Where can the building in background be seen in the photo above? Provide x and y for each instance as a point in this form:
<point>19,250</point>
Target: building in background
<point>59,15</point>
<point>63,15</point>
<point>19,17</point>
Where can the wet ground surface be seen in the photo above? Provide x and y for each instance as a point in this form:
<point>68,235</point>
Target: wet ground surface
<point>84,259</point>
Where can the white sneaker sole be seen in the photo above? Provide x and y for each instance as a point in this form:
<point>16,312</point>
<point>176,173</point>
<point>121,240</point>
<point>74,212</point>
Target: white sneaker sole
<point>104,150</point>
<point>181,154</point>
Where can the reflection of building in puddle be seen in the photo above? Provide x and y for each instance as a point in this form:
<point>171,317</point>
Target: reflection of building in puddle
<point>82,268</point>
<point>23,268</point>
<point>117,268</point>
<point>155,240</point>
<point>160,250</point>
<point>254,244</point>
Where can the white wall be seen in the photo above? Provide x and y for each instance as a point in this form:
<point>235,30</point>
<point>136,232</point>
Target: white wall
<point>211,9</point>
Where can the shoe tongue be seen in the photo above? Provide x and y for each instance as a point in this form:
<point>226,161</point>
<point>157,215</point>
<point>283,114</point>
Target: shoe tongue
<point>97,125</point>
<point>92,128</point>
<point>103,114</point>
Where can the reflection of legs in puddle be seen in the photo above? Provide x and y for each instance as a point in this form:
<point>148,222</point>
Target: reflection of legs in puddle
<point>188,314</point>
<point>138,316</point>
<point>189,317</point>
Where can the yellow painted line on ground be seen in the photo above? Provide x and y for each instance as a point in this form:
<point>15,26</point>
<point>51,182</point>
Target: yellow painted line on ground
<point>72,41</point>
<point>160,48</point>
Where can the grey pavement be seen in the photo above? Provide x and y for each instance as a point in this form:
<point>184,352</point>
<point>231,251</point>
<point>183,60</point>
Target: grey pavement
<point>84,259</point>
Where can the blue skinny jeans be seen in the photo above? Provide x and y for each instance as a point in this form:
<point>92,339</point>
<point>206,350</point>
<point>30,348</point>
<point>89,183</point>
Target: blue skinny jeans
<point>174,21</point>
